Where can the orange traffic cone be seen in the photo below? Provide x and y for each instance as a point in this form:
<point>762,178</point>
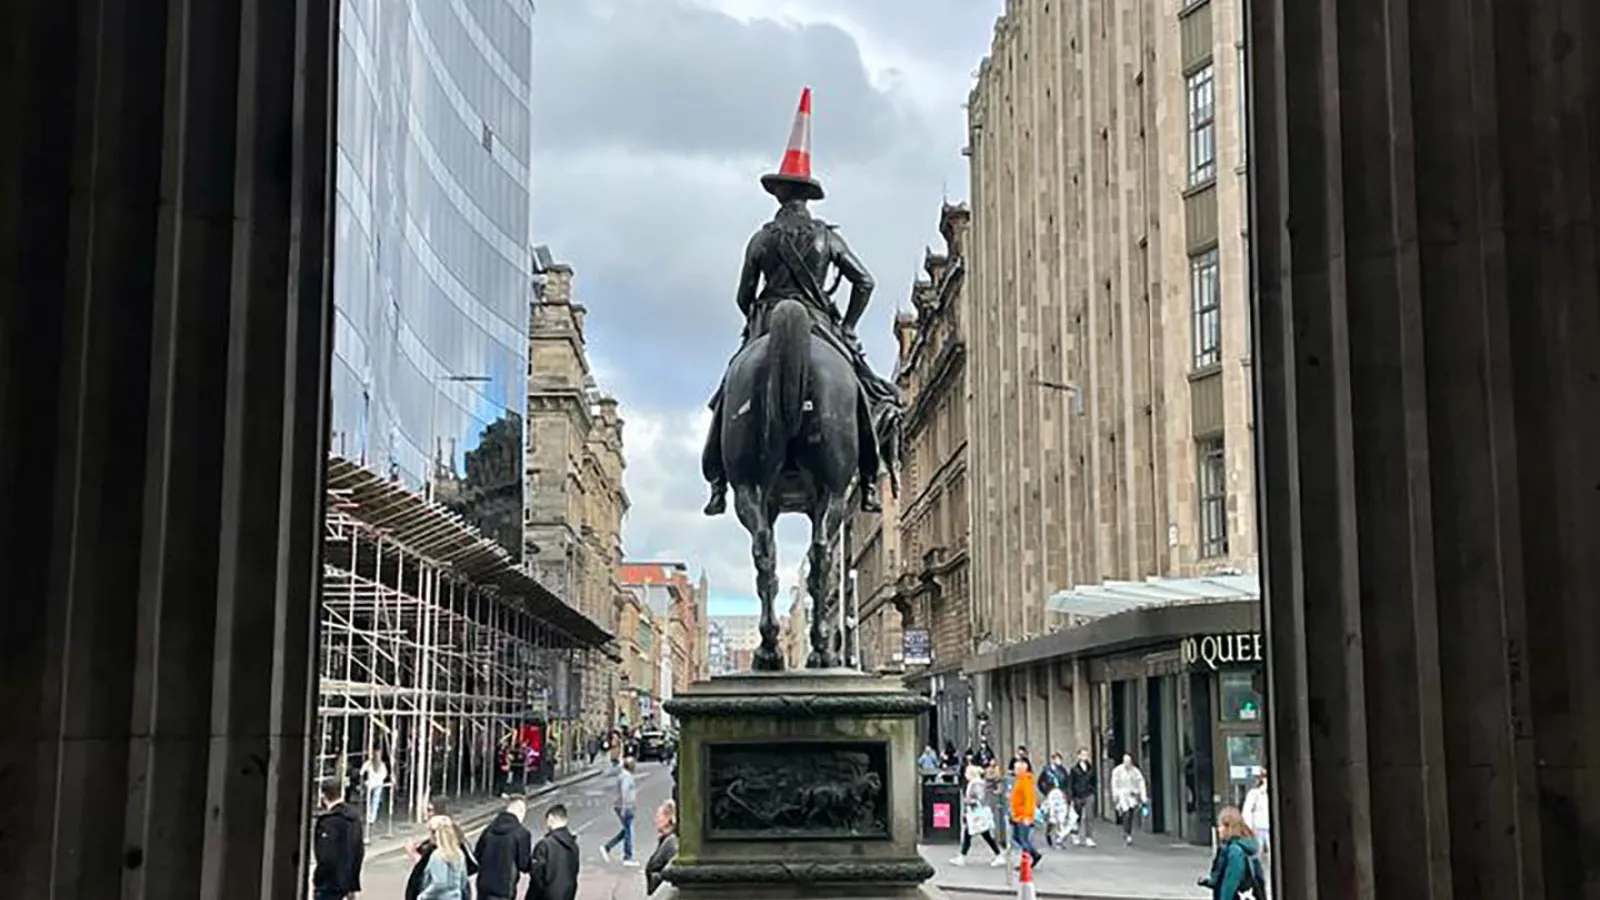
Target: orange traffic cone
<point>1025,878</point>
<point>794,169</point>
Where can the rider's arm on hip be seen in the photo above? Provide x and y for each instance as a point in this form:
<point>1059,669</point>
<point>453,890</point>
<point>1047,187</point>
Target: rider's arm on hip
<point>861,283</point>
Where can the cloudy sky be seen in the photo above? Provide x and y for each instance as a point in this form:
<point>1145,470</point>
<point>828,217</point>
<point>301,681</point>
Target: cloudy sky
<point>655,118</point>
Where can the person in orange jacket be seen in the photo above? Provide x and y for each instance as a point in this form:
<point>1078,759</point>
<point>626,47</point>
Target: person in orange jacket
<point>1024,806</point>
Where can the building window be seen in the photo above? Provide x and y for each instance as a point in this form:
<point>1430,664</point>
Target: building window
<point>1242,104</point>
<point>1213,478</point>
<point>1206,300</point>
<point>1202,125</point>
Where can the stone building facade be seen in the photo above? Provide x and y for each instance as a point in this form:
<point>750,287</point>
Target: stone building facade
<point>575,501</point>
<point>1110,401</point>
<point>678,604</point>
<point>871,545</point>
<point>931,583</point>
<point>1110,415</point>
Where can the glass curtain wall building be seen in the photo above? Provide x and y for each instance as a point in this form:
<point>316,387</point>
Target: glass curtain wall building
<point>432,262</point>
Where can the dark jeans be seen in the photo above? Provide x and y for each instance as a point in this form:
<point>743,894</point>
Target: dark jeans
<point>988,837</point>
<point>1128,816</point>
<point>1084,807</point>
<point>1022,836</point>
<point>624,835</point>
<point>327,893</point>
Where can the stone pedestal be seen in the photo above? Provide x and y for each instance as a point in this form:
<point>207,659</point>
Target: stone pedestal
<point>798,784</point>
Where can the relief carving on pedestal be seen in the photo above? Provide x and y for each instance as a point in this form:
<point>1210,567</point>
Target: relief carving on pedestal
<point>797,789</point>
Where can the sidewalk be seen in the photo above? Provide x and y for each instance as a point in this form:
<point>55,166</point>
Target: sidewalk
<point>1154,868</point>
<point>469,814</point>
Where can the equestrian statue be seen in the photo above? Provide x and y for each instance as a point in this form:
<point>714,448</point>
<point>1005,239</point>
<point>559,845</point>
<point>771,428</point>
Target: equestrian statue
<point>800,414</point>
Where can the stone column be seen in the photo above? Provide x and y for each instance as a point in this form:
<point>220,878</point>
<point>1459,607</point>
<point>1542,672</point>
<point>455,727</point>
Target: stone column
<point>1428,383</point>
<point>165,326</point>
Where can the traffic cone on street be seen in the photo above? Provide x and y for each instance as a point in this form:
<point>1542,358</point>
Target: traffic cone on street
<point>1025,877</point>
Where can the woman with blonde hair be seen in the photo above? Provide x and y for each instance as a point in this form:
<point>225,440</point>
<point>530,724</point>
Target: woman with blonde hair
<point>446,875</point>
<point>1236,870</point>
<point>977,818</point>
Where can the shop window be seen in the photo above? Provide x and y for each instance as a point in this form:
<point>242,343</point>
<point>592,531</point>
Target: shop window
<point>1240,701</point>
<point>1247,757</point>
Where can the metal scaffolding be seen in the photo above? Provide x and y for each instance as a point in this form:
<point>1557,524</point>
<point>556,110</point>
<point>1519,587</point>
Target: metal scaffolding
<point>437,653</point>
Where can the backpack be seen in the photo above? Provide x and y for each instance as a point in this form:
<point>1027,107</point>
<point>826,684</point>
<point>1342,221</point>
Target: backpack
<point>1254,884</point>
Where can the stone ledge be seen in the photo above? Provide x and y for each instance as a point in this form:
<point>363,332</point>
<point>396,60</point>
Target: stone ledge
<point>803,872</point>
<point>797,705</point>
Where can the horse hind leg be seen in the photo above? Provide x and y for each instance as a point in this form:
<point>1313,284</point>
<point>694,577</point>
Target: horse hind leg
<point>824,654</point>
<point>751,506</point>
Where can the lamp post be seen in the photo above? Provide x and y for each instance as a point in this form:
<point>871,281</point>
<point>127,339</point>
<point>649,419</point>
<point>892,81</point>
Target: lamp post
<point>433,416</point>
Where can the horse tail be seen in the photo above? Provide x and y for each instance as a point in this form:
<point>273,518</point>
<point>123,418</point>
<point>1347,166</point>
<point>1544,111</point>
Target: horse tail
<point>789,343</point>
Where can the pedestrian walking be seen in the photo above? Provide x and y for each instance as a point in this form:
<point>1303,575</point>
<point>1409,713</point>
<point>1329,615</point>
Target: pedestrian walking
<point>1236,870</point>
<point>977,818</point>
<point>1057,811</point>
<point>1258,813</point>
<point>444,875</point>
<point>553,871</point>
<point>1128,795</point>
<point>666,847</point>
<point>504,852</point>
<point>374,778</point>
<point>1056,772</point>
<point>338,846</point>
<point>1082,785</point>
<point>1024,808</point>
<point>419,852</point>
<point>627,797</point>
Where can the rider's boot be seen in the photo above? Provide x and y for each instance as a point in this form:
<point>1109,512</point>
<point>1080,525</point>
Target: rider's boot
<point>870,501</point>
<point>718,504</point>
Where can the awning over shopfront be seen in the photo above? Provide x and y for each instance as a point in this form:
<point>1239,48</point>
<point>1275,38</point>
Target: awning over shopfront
<point>1112,597</point>
<point>1118,614</point>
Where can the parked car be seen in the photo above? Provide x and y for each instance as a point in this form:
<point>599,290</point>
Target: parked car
<point>656,745</point>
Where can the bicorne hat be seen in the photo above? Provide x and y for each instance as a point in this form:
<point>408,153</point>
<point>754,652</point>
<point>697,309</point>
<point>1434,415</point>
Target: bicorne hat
<point>796,166</point>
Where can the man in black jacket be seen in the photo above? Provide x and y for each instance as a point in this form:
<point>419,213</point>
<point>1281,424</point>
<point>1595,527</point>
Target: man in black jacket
<point>553,874</point>
<point>1082,785</point>
<point>337,846</point>
<point>503,853</point>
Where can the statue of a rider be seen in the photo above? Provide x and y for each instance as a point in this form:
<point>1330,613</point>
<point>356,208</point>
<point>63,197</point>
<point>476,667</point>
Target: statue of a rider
<point>789,258</point>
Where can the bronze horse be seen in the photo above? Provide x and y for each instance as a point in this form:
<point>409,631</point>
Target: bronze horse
<point>790,436</point>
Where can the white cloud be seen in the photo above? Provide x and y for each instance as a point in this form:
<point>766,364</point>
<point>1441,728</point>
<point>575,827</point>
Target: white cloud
<point>655,120</point>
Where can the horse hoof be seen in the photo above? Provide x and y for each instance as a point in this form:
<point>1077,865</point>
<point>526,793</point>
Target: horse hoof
<point>820,660</point>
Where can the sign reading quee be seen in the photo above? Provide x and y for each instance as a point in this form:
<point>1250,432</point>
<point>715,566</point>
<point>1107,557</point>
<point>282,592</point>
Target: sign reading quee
<point>1215,651</point>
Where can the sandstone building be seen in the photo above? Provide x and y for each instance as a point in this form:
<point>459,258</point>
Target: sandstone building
<point>676,604</point>
<point>1110,453</point>
<point>575,501</point>
<point>911,562</point>
<point>932,578</point>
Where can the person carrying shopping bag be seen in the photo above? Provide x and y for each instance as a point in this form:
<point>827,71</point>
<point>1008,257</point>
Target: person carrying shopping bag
<point>1128,795</point>
<point>977,818</point>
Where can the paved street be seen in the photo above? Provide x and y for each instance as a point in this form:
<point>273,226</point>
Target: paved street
<point>589,804</point>
<point>1154,869</point>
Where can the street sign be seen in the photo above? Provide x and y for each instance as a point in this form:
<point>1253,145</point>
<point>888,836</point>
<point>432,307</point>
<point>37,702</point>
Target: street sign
<point>916,647</point>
